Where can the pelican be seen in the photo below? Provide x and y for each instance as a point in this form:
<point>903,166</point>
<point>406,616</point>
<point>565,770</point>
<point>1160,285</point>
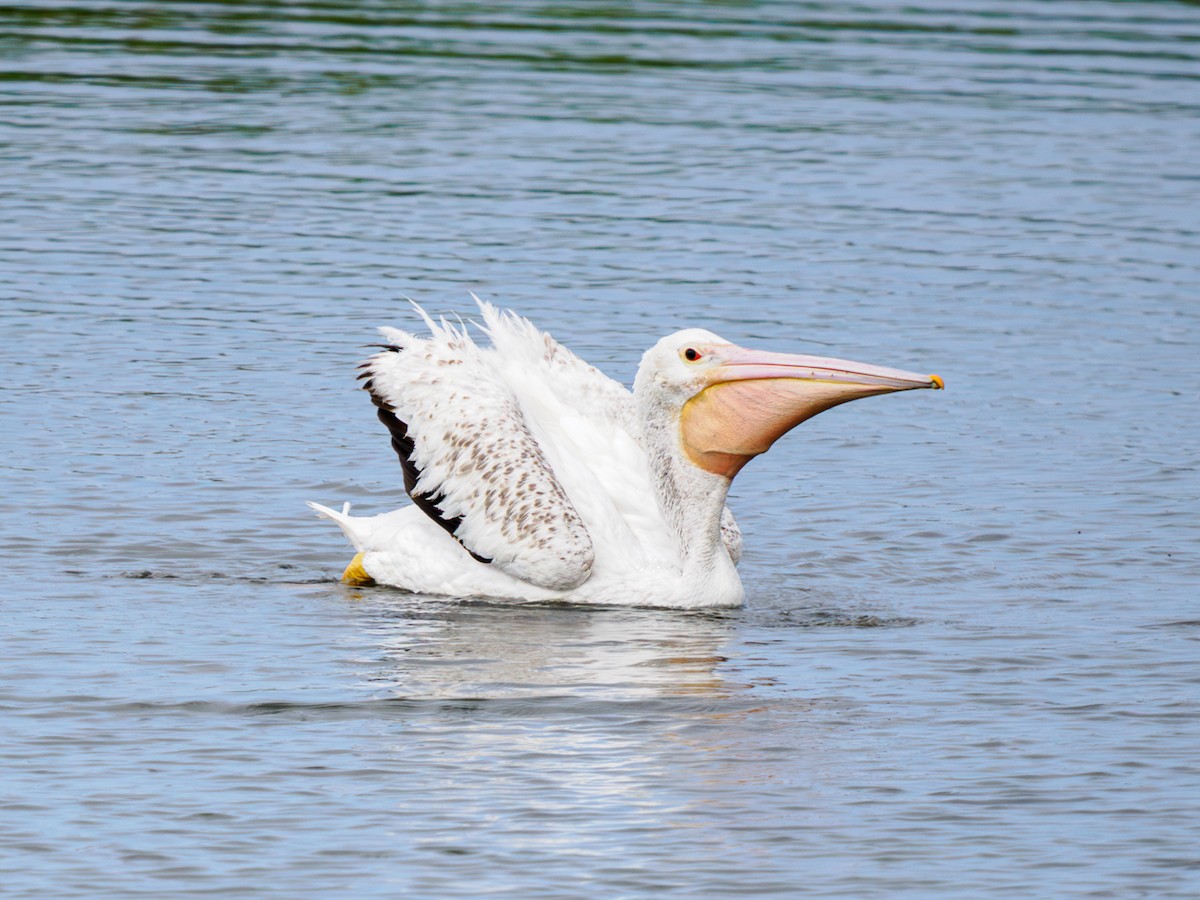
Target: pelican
<point>534,477</point>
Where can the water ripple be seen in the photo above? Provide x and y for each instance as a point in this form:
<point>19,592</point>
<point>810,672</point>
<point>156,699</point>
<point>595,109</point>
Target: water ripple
<point>967,663</point>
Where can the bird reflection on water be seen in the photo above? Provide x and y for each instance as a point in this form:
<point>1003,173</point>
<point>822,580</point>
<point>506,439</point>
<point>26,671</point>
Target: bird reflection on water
<point>491,651</point>
<point>535,691</point>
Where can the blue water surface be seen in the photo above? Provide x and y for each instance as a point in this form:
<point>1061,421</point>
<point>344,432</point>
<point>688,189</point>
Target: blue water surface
<point>968,662</point>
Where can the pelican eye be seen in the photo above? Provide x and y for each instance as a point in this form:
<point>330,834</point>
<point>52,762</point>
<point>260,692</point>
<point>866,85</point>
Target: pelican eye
<point>691,354</point>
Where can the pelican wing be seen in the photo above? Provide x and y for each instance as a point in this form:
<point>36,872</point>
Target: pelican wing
<point>521,345</point>
<point>470,460</point>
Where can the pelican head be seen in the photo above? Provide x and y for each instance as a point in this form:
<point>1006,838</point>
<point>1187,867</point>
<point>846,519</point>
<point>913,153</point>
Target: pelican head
<point>732,403</point>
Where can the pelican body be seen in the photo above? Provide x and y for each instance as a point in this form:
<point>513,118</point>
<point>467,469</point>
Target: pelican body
<point>534,477</point>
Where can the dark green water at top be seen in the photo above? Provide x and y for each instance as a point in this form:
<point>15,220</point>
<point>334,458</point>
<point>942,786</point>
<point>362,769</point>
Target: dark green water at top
<point>968,661</point>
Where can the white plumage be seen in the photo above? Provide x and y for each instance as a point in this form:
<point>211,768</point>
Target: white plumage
<point>535,477</point>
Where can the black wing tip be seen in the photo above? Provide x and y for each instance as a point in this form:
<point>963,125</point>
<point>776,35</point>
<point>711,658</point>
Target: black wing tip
<point>368,385</point>
<point>404,445</point>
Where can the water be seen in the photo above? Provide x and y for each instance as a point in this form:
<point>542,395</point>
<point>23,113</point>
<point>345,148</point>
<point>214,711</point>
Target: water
<point>968,662</point>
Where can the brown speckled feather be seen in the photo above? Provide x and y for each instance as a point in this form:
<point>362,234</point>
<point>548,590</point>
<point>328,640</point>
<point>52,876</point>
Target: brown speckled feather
<point>470,461</point>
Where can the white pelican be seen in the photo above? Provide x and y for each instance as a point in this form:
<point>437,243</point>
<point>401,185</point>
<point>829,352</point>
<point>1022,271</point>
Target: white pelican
<point>535,477</point>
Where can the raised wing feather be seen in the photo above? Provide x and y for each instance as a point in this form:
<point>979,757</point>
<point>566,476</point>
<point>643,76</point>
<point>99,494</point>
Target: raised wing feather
<point>470,461</point>
<point>518,342</point>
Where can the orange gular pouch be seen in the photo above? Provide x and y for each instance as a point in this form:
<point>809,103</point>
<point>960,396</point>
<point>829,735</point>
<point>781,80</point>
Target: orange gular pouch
<point>729,423</point>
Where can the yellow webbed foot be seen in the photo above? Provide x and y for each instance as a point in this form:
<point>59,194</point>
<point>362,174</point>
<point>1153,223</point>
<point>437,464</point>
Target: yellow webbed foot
<point>355,573</point>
